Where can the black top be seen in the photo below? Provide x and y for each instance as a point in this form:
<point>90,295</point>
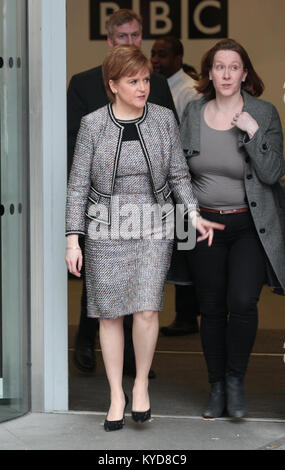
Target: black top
<point>130,131</point>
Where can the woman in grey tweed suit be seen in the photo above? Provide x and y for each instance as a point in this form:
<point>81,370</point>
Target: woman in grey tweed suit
<point>128,156</point>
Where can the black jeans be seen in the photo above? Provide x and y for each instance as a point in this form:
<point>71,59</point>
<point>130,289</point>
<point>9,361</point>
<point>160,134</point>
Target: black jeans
<point>229,277</point>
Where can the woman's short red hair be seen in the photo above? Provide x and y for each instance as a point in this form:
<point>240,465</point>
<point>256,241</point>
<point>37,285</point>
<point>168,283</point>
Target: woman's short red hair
<point>123,61</point>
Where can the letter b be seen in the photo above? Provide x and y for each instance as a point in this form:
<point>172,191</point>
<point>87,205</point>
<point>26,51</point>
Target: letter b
<point>161,18</point>
<point>159,13</point>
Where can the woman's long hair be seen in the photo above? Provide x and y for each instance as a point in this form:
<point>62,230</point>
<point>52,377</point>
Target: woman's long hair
<point>253,83</point>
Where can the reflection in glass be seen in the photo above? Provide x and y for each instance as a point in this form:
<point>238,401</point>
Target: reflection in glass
<point>14,278</point>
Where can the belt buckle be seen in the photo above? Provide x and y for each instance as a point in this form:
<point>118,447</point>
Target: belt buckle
<point>228,211</point>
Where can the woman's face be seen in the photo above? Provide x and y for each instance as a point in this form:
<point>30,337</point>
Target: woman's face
<point>132,92</point>
<point>227,73</point>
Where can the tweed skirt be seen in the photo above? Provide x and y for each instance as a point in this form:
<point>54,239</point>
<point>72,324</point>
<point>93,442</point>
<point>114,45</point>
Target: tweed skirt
<point>125,276</point>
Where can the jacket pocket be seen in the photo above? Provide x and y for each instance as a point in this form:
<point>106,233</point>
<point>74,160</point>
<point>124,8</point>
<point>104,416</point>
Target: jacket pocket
<point>98,207</point>
<point>166,192</point>
<point>165,200</point>
<point>94,196</point>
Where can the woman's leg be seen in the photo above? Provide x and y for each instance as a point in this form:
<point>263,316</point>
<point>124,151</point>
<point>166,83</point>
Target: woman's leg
<point>210,273</point>
<point>211,285</point>
<point>246,277</point>
<point>111,335</point>
<point>145,333</point>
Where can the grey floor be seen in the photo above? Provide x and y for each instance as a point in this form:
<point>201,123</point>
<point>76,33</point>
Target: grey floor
<point>178,396</point>
<point>181,387</point>
<point>84,431</point>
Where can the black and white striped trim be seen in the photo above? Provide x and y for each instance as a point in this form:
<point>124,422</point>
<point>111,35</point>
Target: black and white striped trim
<point>74,232</point>
<point>99,193</point>
<point>99,220</point>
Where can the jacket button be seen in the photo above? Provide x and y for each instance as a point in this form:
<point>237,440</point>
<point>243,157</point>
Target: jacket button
<point>253,204</point>
<point>262,230</point>
<point>247,159</point>
<point>249,177</point>
<point>264,146</point>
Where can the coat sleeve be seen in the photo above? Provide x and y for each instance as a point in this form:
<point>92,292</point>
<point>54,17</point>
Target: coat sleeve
<point>79,181</point>
<point>265,150</point>
<point>179,177</point>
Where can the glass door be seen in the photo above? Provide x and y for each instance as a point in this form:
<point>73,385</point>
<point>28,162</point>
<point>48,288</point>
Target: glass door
<point>14,211</point>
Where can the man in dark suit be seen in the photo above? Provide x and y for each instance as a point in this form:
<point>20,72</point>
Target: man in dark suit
<point>86,93</point>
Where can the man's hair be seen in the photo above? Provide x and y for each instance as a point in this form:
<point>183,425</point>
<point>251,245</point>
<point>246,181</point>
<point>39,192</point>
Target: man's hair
<point>176,45</point>
<point>123,61</point>
<point>121,17</point>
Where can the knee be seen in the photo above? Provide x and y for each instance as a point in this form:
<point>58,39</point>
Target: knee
<point>109,322</point>
<point>148,316</point>
<point>241,303</point>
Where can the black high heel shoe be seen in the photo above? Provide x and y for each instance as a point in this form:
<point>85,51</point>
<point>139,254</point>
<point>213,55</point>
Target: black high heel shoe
<point>141,416</point>
<point>116,425</point>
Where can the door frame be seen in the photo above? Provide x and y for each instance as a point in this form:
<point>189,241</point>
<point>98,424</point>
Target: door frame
<point>48,277</point>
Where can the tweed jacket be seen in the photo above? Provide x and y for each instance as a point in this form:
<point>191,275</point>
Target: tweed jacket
<point>97,150</point>
<point>264,166</point>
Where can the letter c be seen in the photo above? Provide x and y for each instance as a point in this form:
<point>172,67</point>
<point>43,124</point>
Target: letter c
<point>197,17</point>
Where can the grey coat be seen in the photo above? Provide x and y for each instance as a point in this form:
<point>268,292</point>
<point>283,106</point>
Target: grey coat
<point>264,167</point>
<point>96,155</point>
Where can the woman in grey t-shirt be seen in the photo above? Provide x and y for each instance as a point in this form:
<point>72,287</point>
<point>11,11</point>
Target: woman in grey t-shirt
<point>233,142</point>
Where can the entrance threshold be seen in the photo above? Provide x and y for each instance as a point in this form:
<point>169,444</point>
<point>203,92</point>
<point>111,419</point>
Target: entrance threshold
<point>161,416</point>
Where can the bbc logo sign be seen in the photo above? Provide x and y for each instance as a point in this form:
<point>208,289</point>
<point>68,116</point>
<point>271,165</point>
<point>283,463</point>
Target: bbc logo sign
<point>206,18</point>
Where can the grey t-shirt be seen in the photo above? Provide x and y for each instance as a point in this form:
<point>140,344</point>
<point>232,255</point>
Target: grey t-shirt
<point>218,171</point>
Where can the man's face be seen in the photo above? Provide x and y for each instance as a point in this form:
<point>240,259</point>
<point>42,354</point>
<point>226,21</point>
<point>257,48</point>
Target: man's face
<point>127,34</point>
<point>163,59</point>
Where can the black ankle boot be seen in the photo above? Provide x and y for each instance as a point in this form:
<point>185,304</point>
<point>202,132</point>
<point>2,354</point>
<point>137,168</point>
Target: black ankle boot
<point>235,397</point>
<point>217,401</point>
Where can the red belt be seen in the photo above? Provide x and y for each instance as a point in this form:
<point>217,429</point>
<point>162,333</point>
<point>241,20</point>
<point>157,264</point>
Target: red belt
<point>229,211</point>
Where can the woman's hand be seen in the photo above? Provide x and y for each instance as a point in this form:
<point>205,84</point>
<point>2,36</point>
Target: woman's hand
<point>73,256</point>
<point>245,122</point>
<point>205,227</point>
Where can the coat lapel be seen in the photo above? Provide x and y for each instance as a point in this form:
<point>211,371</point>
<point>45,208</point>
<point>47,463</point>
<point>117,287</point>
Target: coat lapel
<point>190,130</point>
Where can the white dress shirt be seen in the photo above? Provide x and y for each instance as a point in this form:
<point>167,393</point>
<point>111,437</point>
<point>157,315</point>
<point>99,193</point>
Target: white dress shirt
<point>182,89</point>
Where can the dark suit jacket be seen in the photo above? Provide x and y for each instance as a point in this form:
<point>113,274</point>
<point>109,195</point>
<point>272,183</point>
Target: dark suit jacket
<point>86,93</point>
